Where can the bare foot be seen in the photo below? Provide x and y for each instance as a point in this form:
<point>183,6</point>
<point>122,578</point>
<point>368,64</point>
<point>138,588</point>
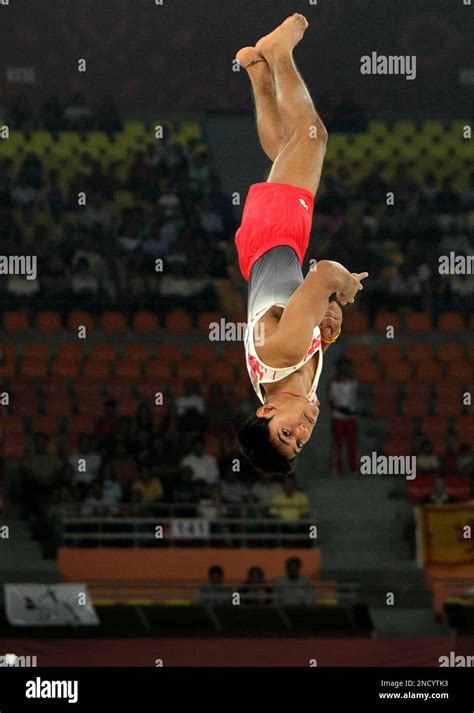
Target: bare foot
<point>284,38</point>
<point>247,55</point>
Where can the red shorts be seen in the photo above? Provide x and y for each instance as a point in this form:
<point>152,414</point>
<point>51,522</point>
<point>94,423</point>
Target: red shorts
<point>274,214</point>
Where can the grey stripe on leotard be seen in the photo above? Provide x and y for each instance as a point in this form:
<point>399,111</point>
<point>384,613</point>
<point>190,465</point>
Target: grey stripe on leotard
<point>273,278</point>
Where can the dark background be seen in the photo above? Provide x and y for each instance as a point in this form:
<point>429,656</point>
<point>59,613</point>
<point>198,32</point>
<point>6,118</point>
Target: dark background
<point>179,55</point>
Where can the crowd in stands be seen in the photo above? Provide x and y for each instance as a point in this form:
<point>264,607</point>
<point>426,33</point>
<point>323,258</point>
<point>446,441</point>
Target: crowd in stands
<point>128,466</point>
<point>290,589</point>
<point>96,255</point>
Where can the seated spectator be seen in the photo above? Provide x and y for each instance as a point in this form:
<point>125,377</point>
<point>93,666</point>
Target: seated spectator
<point>264,490</point>
<point>83,281</point>
<point>78,113</point>
<point>186,491</point>
<point>191,400</point>
<point>146,489</point>
<point>290,504</point>
<point>86,464</point>
<point>125,467</point>
<point>293,588</point>
<point>255,591</point>
<point>439,495</point>
<point>216,593</point>
<point>426,459</point>
<point>40,471</point>
<point>112,489</point>
<point>465,461</point>
<point>106,426</point>
<point>209,503</point>
<point>203,465</point>
<point>94,504</point>
<point>233,493</point>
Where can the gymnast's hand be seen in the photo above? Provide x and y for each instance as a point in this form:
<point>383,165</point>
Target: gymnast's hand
<point>352,285</point>
<point>331,323</point>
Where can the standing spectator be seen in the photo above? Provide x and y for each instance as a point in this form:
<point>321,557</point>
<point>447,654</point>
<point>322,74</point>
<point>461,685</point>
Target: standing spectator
<point>203,465</point>
<point>343,401</point>
<point>294,588</point>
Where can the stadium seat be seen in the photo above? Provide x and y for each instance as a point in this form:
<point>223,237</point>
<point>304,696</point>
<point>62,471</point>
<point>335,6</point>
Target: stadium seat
<point>367,370</point>
<point>205,319</point>
<point>178,322</point>
<point>96,370</point>
<point>465,429</point>
<point>420,487</point>
<point>459,486</point>
<point>436,429</point>
<point>71,351</point>
<point>420,353</point>
<point>103,351</point>
<point>358,352</point>
<point>412,406</point>
<point>450,351</point>
<point>430,371</point>
<point>65,368</point>
<point>137,351</point>
<point>187,369</point>
<point>8,351</point>
<point>400,371</point>
<point>460,371</point>
<point>384,320</point>
<point>34,368</point>
<point>451,322</point>
<point>48,321</point>
<point>389,353</point>
<point>203,353</point>
<point>37,350</point>
<point>78,319</point>
<point>126,369</point>
<point>16,321</point>
<point>161,371</point>
<point>356,323</point>
<point>170,353</point>
<point>113,323</point>
<point>418,322</point>
<point>145,322</point>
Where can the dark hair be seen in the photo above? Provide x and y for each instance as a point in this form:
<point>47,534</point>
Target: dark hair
<point>215,569</point>
<point>254,437</point>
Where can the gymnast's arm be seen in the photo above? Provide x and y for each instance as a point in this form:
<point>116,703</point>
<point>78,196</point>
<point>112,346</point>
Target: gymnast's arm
<point>306,308</point>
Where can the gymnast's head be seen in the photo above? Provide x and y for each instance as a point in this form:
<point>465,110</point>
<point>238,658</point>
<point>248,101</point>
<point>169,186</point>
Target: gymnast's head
<point>277,433</point>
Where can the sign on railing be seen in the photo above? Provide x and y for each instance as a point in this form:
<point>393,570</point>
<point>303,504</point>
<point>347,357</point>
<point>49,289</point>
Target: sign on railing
<point>186,529</point>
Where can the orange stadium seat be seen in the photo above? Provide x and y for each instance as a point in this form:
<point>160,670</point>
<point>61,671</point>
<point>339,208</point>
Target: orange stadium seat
<point>46,423</point>
<point>103,351</point>
<point>71,351</point>
<point>178,322</point>
<point>37,350</point>
<point>160,371</point>
<point>386,319</point>
<point>436,429</point>
<point>96,370</point>
<point>126,369</point>
<point>233,353</point>
<point>207,318</point>
<point>170,353</point>
<point>10,426</point>
<point>451,351</point>
<point>418,322</point>
<point>7,370</point>
<point>34,368</point>
<point>367,370</point>
<point>415,407</point>
<point>77,319</point>
<point>8,351</point>
<point>223,373</point>
<point>186,369</point>
<point>389,353</point>
<point>448,389</point>
<point>420,487</point>
<point>459,486</point>
<point>397,445</point>
<point>358,352</point>
<point>48,321</point>
<point>13,448</point>
<point>65,368</point>
<point>460,371</point>
<point>137,351</point>
<point>145,322</point>
<point>450,407</point>
<point>387,390</point>
<point>431,371</point>
<point>356,323</point>
<point>400,371</point>
<point>420,353</point>
<point>384,408</point>
<point>16,321</point>
<point>420,389</point>
<point>113,323</point>
<point>203,353</point>
<point>465,429</point>
<point>451,322</point>
<point>80,423</point>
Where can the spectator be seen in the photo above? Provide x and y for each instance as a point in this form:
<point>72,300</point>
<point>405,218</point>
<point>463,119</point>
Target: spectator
<point>343,389</point>
<point>255,591</point>
<point>439,495</point>
<point>426,459</point>
<point>209,503</point>
<point>191,399</point>
<point>294,588</point>
<point>84,283</point>
<point>146,489</point>
<point>112,489</point>
<point>40,471</point>
<point>203,465</point>
<point>86,464</point>
<point>290,504</point>
<point>264,490</point>
<point>465,461</point>
<point>233,493</point>
<point>216,593</point>
<point>186,491</point>
<point>78,113</point>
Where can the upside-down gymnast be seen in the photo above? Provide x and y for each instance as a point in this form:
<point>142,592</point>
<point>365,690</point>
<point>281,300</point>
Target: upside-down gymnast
<point>291,319</point>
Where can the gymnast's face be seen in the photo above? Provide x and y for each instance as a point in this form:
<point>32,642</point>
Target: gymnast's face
<point>292,422</point>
